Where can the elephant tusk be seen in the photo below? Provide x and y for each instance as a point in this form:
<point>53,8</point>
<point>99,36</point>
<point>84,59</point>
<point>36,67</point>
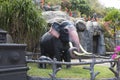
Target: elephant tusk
<point>80,54</point>
<point>70,43</point>
<point>77,53</point>
<point>74,52</point>
<point>84,50</point>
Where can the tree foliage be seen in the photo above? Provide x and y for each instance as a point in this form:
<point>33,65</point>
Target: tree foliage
<point>86,7</point>
<point>22,20</point>
<point>96,7</point>
<point>113,15</point>
<point>81,6</point>
<point>53,2</point>
<point>66,4</point>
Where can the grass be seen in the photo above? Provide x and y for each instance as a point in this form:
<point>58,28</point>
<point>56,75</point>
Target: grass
<point>73,72</point>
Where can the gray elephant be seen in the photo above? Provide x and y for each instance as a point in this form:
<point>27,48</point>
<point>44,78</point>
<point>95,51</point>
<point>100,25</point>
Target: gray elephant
<point>55,42</point>
<point>82,32</point>
<point>93,38</point>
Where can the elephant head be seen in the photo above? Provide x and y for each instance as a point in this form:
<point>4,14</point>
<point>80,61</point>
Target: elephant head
<point>97,29</point>
<point>80,25</point>
<point>93,27</point>
<point>67,33</point>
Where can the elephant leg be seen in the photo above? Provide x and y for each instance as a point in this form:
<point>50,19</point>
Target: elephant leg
<point>59,58</point>
<point>57,50</point>
<point>42,65</point>
<point>58,55</point>
<point>42,57</point>
<point>67,58</point>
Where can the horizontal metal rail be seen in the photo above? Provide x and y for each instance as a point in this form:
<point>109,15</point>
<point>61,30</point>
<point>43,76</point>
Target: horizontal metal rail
<point>13,69</point>
<point>70,63</point>
<point>93,74</point>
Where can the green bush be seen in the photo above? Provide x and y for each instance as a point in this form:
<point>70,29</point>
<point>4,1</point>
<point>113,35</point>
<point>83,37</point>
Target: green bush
<point>22,20</point>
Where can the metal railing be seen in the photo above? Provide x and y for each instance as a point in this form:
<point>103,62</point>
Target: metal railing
<point>92,63</point>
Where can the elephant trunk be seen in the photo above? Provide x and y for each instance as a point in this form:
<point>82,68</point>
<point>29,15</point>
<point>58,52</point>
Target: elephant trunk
<point>75,46</point>
<point>74,38</point>
<point>74,42</point>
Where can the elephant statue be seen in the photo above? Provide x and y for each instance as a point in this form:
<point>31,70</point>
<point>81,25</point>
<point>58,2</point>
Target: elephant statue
<point>60,41</point>
<point>80,24</point>
<point>92,39</point>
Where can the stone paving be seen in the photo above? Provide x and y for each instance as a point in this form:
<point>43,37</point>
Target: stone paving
<point>90,60</point>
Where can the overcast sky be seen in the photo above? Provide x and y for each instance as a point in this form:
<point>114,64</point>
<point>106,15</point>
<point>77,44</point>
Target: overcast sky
<point>111,3</point>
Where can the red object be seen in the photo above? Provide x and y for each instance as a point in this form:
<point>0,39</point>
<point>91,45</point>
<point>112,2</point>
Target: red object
<point>70,13</point>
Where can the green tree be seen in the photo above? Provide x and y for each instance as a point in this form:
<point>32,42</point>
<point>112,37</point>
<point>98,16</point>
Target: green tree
<point>96,7</point>
<point>65,4</point>
<point>113,15</point>
<point>22,20</point>
<point>53,2</point>
<point>81,6</point>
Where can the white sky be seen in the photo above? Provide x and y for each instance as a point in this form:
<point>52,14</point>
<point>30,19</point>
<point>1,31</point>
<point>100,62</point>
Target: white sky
<point>111,3</point>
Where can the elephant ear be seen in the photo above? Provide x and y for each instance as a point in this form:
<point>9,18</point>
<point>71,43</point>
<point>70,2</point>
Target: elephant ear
<point>80,25</point>
<point>54,30</point>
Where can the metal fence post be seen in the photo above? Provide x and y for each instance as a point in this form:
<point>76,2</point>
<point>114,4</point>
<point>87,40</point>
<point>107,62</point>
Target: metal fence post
<point>54,69</point>
<point>93,74</point>
<point>118,69</point>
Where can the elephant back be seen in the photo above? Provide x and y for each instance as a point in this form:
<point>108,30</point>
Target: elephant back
<point>45,37</point>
